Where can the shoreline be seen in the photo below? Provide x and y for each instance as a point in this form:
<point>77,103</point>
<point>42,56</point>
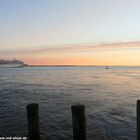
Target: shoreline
<point>74,66</point>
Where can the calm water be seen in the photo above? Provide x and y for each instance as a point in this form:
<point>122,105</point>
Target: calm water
<point>109,96</point>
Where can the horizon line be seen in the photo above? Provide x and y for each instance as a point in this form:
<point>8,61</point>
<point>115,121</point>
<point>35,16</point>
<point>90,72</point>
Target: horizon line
<point>83,65</point>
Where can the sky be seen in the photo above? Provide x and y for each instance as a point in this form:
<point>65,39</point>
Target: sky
<point>70,32</point>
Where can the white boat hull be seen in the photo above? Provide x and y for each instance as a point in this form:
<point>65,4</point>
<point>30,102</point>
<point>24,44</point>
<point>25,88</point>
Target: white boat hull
<point>11,65</point>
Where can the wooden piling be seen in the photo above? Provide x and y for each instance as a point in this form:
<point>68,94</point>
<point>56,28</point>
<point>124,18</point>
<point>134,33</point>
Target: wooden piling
<point>138,119</point>
<point>33,121</point>
<point>79,122</point>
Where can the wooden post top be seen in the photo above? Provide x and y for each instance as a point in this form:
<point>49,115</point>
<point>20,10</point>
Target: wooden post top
<point>78,107</point>
<point>32,105</point>
<point>138,101</point>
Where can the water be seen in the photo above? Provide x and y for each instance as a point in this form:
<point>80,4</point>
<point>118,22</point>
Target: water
<point>109,96</point>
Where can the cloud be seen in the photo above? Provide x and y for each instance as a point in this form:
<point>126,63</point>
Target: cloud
<point>86,47</point>
<point>70,48</point>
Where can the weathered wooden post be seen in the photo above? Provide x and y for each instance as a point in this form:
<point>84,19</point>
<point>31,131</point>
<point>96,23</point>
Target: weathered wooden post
<point>79,122</point>
<point>138,119</point>
<point>33,121</point>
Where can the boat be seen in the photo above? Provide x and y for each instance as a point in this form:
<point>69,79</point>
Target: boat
<point>11,64</point>
<point>106,67</point>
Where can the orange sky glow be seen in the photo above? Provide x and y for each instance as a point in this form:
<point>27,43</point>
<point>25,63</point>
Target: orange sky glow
<point>122,54</point>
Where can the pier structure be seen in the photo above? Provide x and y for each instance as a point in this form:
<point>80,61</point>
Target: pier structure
<point>78,123</point>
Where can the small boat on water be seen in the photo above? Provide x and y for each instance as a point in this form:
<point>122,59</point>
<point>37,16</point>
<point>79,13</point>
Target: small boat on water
<point>106,67</point>
<point>11,64</point>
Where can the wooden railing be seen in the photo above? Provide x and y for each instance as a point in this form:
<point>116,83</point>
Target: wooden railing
<point>78,121</point>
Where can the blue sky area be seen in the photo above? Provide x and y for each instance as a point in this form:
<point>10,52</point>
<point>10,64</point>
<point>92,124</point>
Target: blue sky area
<point>43,22</point>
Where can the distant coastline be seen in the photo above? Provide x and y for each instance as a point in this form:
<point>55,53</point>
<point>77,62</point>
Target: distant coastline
<point>14,61</point>
<point>28,65</point>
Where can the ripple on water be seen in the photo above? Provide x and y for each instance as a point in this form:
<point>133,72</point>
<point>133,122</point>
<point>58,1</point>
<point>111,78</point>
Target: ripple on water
<point>109,97</point>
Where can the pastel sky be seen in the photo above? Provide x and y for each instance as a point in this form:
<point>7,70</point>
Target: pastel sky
<point>71,32</point>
